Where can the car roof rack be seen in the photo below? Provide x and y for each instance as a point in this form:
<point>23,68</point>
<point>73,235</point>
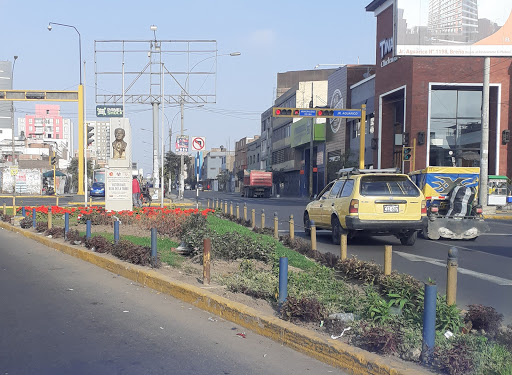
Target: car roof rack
<point>351,171</point>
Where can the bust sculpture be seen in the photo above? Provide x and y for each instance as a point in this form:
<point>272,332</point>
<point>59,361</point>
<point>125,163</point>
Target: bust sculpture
<point>119,145</point>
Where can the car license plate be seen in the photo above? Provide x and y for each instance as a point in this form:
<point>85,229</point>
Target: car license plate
<point>391,208</point>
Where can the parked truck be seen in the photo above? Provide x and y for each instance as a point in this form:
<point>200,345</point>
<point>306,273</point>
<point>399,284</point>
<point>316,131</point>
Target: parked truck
<point>257,184</point>
<point>451,194</point>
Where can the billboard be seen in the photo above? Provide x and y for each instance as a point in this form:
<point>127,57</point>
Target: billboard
<point>453,28</point>
<point>182,145</point>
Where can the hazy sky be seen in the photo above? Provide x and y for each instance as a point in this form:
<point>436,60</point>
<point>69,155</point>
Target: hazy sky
<point>272,37</point>
<point>416,11</point>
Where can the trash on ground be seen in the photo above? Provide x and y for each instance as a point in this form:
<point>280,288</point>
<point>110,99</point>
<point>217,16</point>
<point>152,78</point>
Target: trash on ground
<point>211,319</point>
<point>448,334</point>
<point>241,335</point>
<point>337,337</point>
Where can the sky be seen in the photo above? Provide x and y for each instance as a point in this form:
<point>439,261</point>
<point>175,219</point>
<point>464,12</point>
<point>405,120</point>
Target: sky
<point>272,37</point>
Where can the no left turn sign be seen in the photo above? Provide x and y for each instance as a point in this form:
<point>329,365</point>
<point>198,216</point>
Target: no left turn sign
<point>198,143</point>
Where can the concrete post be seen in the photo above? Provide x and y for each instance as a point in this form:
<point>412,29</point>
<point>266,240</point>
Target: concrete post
<point>262,218</point>
<point>276,226</point>
<point>50,217</point>
<point>253,218</point>
<point>451,277</point>
<point>207,246</point>
<point>313,235</point>
<point>237,211</point>
<point>343,245</point>
<point>245,211</point>
<point>292,228</point>
<point>388,250</point>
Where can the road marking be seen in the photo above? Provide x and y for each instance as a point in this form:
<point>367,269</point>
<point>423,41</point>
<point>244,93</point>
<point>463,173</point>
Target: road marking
<point>496,234</point>
<point>441,263</point>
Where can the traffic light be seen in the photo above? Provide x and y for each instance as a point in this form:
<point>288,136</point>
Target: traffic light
<point>324,112</point>
<point>90,135</point>
<point>407,153</point>
<point>282,112</point>
<point>53,160</point>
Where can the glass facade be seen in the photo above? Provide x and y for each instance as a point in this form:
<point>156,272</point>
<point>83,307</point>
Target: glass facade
<point>455,126</point>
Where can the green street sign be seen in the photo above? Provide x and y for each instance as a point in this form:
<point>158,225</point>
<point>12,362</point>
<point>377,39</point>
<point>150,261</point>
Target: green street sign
<point>109,111</point>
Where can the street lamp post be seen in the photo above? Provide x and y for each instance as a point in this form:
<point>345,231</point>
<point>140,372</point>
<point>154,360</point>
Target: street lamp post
<point>12,125</point>
<point>81,148</point>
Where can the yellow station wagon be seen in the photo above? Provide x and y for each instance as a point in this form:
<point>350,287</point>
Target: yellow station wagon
<point>371,201</point>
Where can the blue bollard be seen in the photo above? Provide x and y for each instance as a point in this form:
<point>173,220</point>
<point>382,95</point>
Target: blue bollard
<point>88,230</point>
<point>66,224</point>
<point>283,280</point>
<point>153,243</point>
<point>429,323</point>
<point>34,218</point>
<point>23,213</point>
<point>116,231</point>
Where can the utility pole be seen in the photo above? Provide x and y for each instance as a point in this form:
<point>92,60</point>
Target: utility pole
<point>484,145</point>
<point>12,129</point>
<point>182,166</point>
<point>311,147</point>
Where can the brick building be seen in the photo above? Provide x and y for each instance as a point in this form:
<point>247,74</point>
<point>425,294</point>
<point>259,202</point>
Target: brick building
<point>437,101</point>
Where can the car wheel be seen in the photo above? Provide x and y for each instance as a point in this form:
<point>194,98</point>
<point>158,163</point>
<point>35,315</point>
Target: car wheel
<point>307,225</point>
<point>336,231</point>
<point>409,238</point>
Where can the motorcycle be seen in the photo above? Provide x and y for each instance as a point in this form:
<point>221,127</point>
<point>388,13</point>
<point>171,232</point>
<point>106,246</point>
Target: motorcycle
<point>145,197</point>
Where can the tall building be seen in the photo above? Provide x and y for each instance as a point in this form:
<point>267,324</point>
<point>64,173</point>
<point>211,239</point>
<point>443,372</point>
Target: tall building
<point>100,146</point>
<point>48,126</point>
<point>5,107</point>
<point>453,20</point>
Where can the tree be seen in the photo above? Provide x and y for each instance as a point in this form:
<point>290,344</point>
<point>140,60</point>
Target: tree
<point>172,165</point>
<point>223,178</point>
<point>73,171</point>
<point>240,175</point>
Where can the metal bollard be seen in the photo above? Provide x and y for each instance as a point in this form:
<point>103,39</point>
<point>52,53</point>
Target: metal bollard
<point>429,323</point>
<point>116,231</point>
<point>88,230</point>
<point>57,203</point>
<point>388,251</point>
<point>207,246</point>
<point>343,245</point>
<point>245,211</point>
<point>313,234</point>
<point>262,218</point>
<point>237,211</point>
<point>208,202</point>
<point>154,253</point>
<point>66,224</point>
<point>50,217</point>
<point>283,280</point>
<point>451,275</point>
<point>34,218</point>
<point>90,201</point>
<point>276,226</point>
<point>23,212</point>
<point>5,209</point>
<point>226,207</point>
<point>231,208</point>
<point>253,218</point>
<point>292,228</point>
<point>13,206</point>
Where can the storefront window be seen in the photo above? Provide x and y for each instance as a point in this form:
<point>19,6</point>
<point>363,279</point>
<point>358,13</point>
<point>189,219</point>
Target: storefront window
<point>455,127</point>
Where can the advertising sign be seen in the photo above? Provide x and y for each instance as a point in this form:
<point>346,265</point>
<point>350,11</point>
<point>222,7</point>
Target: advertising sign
<point>109,111</point>
<point>182,145</point>
<point>452,28</point>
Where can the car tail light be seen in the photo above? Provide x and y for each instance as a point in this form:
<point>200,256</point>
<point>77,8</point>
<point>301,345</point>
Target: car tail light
<point>434,209</point>
<point>354,206</point>
<point>479,210</point>
<point>423,207</point>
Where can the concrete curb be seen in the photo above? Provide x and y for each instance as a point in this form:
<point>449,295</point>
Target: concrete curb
<point>352,359</point>
<point>498,217</point>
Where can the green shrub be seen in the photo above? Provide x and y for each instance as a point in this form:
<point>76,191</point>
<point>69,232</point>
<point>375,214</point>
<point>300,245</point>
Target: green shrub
<point>448,316</point>
<point>99,244</point>
<point>74,236</point>
<point>455,359</point>
<point>232,246</point>
<point>504,337</point>
<point>354,268</point>
<point>484,318</point>
<point>252,282</point>
<point>55,232</point>
<point>376,338</point>
<point>135,254</point>
<point>41,226</point>
<point>6,218</point>
<point>26,223</point>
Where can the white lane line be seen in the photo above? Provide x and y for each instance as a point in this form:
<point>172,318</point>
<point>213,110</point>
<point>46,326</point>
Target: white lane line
<point>496,234</point>
<point>438,262</point>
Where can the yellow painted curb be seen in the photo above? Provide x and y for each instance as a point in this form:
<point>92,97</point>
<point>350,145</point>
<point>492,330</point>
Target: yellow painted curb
<point>335,353</point>
<point>498,217</point>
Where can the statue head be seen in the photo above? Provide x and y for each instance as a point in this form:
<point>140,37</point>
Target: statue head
<point>119,133</point>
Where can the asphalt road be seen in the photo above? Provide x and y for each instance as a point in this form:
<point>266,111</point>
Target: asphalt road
<point>485,265</point>
<point>61,315</point>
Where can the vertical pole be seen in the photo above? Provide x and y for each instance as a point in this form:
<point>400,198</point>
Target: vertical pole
<point>57,201</point>
<point>182,171</point>
<point>153,244</point>
<point>262,218</point>
<point>23,211</point>
<point>156,110</point>
<point>311,146</point>
<point>66,224</point>
<point>237,211</point>
<point>343,245</point>
<point>54,179</point>
<point>283,280</point>
<point>276,226</point>
<point>292,228</point>
<point>451,276</point>
<point>208,200</point>
<point>484,145</point>
<point>388,250</point>
<point>313,235</point>
<point>253,218</point>
<point>13,205</point>
<point>50,217</point>
<point>80,137</point>
<point>245,211</point>
<point>207,246</point>
<point>88,230</point>
<point>413,155</point>
<point>231,208</point>
<point>162,147</point>
<point>197,180</point>
<point>429,323</point>
<point>116,231</point>
<point>5,209</point>
<point>34,218</point>
<point>362,136</point>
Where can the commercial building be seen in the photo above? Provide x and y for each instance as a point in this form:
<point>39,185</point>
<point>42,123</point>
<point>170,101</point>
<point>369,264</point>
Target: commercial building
<point>100,146</point>
<point>5,106</point>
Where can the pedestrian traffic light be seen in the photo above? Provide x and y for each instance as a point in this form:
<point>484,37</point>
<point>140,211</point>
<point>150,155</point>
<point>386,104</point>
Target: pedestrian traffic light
<point>407,153</point>
<point>90,135</point>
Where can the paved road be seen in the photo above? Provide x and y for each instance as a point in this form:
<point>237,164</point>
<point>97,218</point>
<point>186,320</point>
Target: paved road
<point>61,315</point>
<point>485,265</point>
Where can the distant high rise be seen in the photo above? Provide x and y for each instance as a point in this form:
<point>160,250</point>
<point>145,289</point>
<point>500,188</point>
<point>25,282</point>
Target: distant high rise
<point>453,20</point>
<point>100,146</point>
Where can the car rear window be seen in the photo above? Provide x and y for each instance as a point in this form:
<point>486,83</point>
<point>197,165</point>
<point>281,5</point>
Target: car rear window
<point>388,185</point>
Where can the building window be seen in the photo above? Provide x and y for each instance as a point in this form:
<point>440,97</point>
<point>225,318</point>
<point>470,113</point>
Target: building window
<point>30,121</point>
<point>455,126</point>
